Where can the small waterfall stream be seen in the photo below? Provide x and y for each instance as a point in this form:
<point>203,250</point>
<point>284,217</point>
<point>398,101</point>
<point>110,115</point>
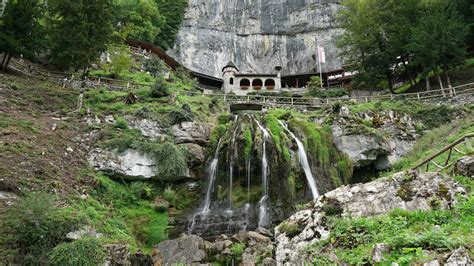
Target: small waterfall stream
<point>303,159</point>
<point>263,218</point>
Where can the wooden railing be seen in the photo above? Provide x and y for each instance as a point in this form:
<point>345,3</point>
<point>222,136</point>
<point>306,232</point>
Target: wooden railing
<point>65,78</point>
<point>450,149</point>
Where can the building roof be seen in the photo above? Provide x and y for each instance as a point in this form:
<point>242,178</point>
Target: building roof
<point>230,64</point>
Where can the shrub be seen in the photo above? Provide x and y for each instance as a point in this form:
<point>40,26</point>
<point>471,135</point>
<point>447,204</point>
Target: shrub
<point>121,123</point>
<point>141,190</point>
<point>328,93</point>
<point>154,66</point>
<point>159,88</point>
<point>33,226</point>
<point>87,251</point>
<point>185,114</point>
<point>237,249</point>
<point>170,195</point>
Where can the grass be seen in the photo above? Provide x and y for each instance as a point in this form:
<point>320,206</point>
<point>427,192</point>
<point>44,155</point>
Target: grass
<point>434,140</point>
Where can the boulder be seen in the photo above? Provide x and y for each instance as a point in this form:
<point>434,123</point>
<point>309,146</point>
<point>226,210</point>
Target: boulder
<point>130,164</point>
<point>465,166</point>
<point>459,257</point>
<point>198,154</point>
<point>117,254</point>
<point>378,251</point>
<point>409,191</point>
<point>190,132</point>
<point>149,128</point>
<point>185,250</point>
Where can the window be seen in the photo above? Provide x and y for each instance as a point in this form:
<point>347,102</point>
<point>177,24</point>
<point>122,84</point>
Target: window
<point>231,81</point>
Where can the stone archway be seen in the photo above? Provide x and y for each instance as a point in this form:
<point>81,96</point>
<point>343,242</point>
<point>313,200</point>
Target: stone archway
<point>244,84</point>
<point>257,84</point>
<point>269,84</point>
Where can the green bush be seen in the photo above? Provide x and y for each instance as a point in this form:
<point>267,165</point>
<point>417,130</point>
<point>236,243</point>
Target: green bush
<point>328,93</point>
<point>178,116</point>
<point>121,123</point>
<point>32,227</point>
<point>87,251</point>
<point>141,190</point>
<point>291,229</point>
<point>159,88</point>
<point>237,249</point>
<point>154,66</point>
<point>170,195</point>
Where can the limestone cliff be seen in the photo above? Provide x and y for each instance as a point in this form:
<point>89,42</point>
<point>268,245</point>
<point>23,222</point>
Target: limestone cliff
<point>257,35</point>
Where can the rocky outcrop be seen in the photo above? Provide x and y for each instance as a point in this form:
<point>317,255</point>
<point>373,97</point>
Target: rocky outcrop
<point>149,128</point>
<point>460,257</point>
<point>190,132</point>
<point>117,254</point>
<point>409,191</point>
<point>185,250</point>
<point>130,164</point>
<point>465,166</point>
<point>257,35</point>
<point>253,248</point>
<point>375,139</point>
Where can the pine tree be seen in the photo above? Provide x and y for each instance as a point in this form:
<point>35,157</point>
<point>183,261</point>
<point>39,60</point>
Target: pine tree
<point>79,31</point>
<point>21,31</point>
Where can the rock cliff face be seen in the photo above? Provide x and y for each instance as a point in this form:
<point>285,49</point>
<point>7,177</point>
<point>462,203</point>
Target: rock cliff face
<point>257,35</point>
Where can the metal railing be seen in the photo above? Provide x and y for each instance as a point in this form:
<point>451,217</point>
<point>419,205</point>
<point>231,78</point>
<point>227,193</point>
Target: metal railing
<point>450,149</point>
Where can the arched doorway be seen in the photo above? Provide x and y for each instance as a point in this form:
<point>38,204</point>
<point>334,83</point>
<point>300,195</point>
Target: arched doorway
<point>269,84</point>
<point>244,84</point>
<point>257,84</point>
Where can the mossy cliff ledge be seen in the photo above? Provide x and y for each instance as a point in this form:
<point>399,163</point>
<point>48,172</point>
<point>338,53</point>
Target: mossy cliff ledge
<point>136,148</point>
<point>298,237</point>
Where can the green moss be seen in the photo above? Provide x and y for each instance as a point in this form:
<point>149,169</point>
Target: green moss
<point>87,251</point>
<point>291,229</point>
<point>248,143</point>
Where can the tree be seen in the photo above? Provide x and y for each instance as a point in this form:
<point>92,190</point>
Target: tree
<point>21,30</point>
<point>173,12</point>
<point>139,19</point>
<point>120,60</point>
<point>79,31</point>
<point>438,39</point>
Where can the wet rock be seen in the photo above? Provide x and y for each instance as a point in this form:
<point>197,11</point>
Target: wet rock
<point>460,257</point>
<point>409,191</point>
<point>264,232</point>
<point>117,254</point>
<point>140,259</point>
<point>190,132</point>
<point>198,156</point>
<point>185,250</point>
<point>465,166</point>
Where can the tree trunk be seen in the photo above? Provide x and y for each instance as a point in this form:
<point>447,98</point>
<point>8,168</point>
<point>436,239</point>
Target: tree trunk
<point>390,83</point>
<point>448,80</point>
<point>3,61</point>
<point>428,85</point>
<point>5,66</point>
<point>441,84</point>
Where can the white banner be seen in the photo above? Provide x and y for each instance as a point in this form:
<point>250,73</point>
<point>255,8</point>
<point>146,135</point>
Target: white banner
<point>322,54</point>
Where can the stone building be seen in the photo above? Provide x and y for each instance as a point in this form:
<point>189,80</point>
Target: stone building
<point>242,84</point>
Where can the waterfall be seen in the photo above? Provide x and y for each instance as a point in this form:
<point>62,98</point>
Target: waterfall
<point>231,164</point>
<point>303,158</point>
<point>210,187</point>
<point>263,218</point>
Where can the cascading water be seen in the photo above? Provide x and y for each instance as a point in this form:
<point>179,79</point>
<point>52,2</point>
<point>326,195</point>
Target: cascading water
<point>231,164</point>
<point>213,167</point>
<point>303,159</point>
<point>263,218</point>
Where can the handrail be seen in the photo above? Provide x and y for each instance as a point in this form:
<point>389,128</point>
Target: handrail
<point>114,84</point>
<point>449,148</point>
